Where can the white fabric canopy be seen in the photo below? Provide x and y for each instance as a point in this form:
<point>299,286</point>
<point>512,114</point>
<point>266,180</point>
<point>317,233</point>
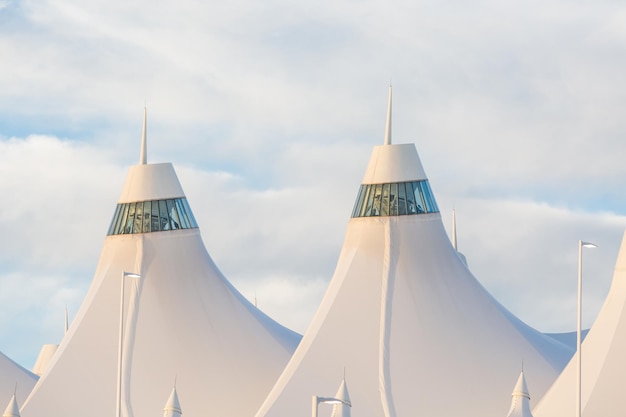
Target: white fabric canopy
<point>603,360</point>
<point>14,379</point>
<point>415,331</point>
<point>182,319</point>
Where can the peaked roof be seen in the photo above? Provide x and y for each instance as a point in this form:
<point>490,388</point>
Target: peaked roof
<point>342,409</point>
<point>151,182</point>
<point>520,404</point>
<point>407,317</point>
<point>172,407</point>
<point>181,317</point>
<point>603,361</point>
<point>12,374</point>
<point>521,389</point>
<point>12,409</point>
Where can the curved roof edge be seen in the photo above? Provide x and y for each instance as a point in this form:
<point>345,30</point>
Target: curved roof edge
<point>394,163</point>
<point>151,182</point>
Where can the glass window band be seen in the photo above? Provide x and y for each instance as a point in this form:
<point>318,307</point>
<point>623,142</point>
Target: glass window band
<point>152,216</point>
<point>395,199</point>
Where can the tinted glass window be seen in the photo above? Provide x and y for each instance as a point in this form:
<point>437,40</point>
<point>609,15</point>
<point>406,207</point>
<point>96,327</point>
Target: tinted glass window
<point>395,199</point>
<point>152,216</point>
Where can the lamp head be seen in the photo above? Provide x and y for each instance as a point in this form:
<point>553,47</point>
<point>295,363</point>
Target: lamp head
<point>332,401</point>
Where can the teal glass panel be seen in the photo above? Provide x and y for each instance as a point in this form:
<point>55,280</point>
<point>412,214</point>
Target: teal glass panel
<point>395,199</point>
<point>152,216</point>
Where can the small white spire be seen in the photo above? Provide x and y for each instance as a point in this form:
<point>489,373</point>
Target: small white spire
<point>172,408</point>
<point>67,322</point>
<point>342,409</point>
<point>12,409</point>
<point>388,127</point>
<point>454,230</point>
<point>143,156</point>
<point>520,403</point>
<point>521,389</point>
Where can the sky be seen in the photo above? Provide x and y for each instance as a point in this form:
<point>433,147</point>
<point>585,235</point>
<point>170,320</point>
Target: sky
<point>269,111</point>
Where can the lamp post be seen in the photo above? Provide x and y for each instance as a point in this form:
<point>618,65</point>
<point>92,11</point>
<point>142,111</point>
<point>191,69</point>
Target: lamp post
<point>118,410</point>
<point>327,400</point>
<point>581,245</point>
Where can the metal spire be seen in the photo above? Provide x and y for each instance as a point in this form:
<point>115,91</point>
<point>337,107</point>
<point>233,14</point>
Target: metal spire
<point>388,127</point>
<point>67,322</point>
<point>12,409</point>
<point>172,407</point>
<point>143,156</point>
<point>454,230</point>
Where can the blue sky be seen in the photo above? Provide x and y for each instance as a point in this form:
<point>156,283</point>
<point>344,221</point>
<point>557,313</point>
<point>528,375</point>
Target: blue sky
<point>269,111</point>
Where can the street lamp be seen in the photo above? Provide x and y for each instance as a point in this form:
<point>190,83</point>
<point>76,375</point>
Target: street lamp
<point>581,245</point>
<point>327,400</point>
<point>125,274</point>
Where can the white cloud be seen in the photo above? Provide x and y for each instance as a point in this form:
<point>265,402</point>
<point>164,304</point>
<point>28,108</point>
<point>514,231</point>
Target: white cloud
<point>525,253</point>
<point>269,111</point>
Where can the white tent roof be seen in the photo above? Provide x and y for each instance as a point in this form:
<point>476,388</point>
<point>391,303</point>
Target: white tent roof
<point>14,379</point>
<point>182,319</point>
<point>408,321</point>
<point>603,360</point>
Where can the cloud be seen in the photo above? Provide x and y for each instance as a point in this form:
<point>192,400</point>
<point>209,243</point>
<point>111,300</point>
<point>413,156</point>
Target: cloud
<point>269,110</point>
<point>525,254</point>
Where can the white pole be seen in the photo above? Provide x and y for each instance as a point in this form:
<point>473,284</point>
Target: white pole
<point>578,329</point>
<point>314,405</point>
<point>579,381</point>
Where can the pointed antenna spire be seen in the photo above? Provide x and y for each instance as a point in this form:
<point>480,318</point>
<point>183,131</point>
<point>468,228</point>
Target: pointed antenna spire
<point>67,322</point>
<point>143,156</point>
<point>12,409</point>
<point>521,389</point>
<point>343,408</point>
<point>172,408</point>
<point>520,402</point>
<point>388,127</point>
<point>454,230</point>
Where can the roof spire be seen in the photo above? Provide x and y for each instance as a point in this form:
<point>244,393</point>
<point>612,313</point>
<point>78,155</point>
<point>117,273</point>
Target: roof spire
<point>520,406</point>
<point>172,408</point>
<point>67,322</point>
<point>12,409</point>
<point>388,127</point>
<point>343,408</point>
<point>454,230</point>
<point>143,156</point>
